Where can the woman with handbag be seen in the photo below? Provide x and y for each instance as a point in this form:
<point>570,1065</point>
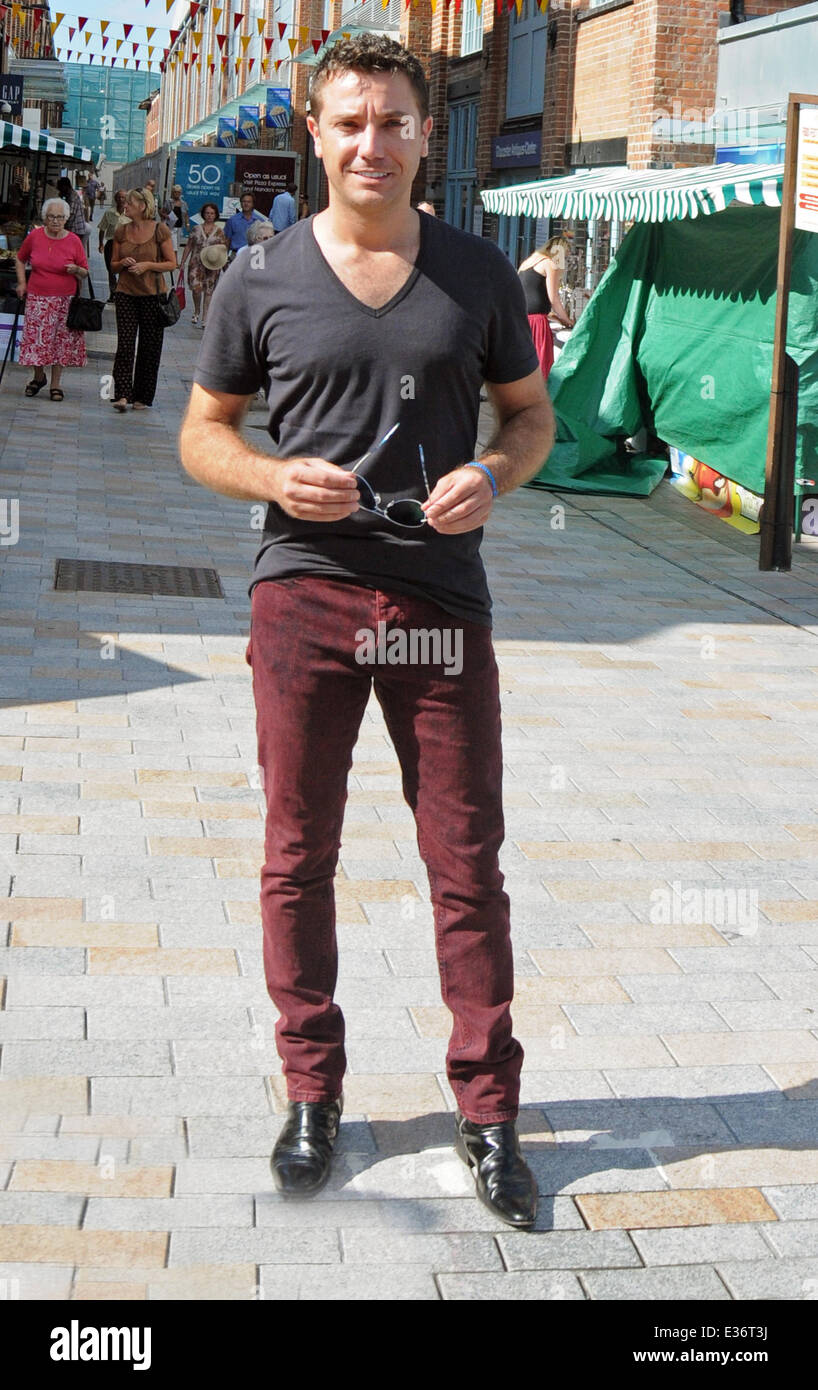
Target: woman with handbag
<point>142,251</point>
<point>58,265</point>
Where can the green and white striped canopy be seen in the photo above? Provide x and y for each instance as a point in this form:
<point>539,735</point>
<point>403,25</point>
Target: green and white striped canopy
<point>18,137</point>
<point>640,195</point>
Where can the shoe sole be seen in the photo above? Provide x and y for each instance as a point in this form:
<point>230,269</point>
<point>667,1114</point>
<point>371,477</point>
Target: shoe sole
<point>462,1152</point>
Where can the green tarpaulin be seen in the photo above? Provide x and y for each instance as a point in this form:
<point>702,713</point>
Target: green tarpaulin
<point>678,338</point>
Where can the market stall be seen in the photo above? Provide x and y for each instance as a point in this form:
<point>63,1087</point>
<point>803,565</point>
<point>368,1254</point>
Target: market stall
<point>676,343</point>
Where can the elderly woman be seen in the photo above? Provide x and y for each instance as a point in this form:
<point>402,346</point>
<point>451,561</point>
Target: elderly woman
<point>142,252</point>
<point>58,265</point>
<point>203,279</point>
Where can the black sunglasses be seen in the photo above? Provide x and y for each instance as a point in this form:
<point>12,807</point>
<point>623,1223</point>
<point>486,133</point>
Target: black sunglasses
<point>403,511</point>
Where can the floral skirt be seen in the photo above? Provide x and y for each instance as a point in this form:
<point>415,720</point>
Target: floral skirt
<point>46,341</point>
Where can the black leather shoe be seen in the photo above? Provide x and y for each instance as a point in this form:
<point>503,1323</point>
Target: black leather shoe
<point>505,1183</point>
<point>302,1156</point>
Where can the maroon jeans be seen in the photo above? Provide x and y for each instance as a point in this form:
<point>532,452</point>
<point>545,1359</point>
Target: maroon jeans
<point>311,686</point>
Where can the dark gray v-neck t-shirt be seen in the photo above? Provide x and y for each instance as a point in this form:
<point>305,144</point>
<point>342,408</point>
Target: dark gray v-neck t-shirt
<point>338,375</point>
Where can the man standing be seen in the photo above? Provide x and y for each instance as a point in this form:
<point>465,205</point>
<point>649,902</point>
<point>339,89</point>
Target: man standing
<point>235,228</point>
<point>283,212</point>
<point>372,328</point>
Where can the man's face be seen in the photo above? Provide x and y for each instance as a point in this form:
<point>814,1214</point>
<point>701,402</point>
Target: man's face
<point>370,137</point>
<point>247,205</point>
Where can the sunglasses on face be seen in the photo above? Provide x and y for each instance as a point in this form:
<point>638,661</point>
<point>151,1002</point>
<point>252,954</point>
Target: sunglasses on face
<point>403,511</point>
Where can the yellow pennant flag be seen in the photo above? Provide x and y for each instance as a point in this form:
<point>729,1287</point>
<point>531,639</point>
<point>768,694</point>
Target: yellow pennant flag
<point>54,27</point>
<point>60,17</point>
<point>238,64</point>
<point>346,36</point>
<point>518,5</point>
<point>293,44</point>
<point>103,25</point>
<point>245,39</point>
<point>169,4</point>
<point>150,51</point>
<point>479,4</point>
<point>119,43</point>
<point>124,62</point>
<point>260,25</point>
<point>209,59</point>
<point>87,37</point>
<point>17,11</point>
<point>433,3</point>
<point>150,30</point>
<point>197,36</point>
<point>265,63</point>
<point>217,14</point>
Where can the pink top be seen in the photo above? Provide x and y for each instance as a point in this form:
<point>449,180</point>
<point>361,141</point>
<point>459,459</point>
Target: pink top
<point>48,257</point>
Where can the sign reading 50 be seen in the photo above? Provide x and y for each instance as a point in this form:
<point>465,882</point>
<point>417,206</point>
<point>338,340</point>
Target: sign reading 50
<point>204,174</point>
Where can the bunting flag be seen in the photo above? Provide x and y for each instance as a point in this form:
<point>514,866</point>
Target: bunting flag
<point>237,18</point>
<point>38,17</point>
<point>250,65</point>
<point>126,29</point>
<point>17,11</point>
<point>281,31</point>
<point>103,25</point>
<point>217,14</point>
<point>174,34</point>
<point>150,51</point>
<point>265,63</point>
<point>169,4</point>
<point>268,43</point>
<point>194,9</point>
<point>81,22</point>
<point>324,35</point>
<point>221,40</point>
<point>150,30</point>
<point>60,18</point>
<point>316,43</point>
<point>104,43</point>
<point>119,43</point>
<point>87,38</point>
<point>303,33</point>
<point>260,25</point>
<point>71,32</point>
<point>197,36</point>
<point>244,40</point>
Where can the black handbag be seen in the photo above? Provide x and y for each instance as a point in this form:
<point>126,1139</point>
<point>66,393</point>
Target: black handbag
<point>85,315</point>
<point>168,306</point>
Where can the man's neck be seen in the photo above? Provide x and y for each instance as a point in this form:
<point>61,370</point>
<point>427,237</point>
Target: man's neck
<point>396,229</point>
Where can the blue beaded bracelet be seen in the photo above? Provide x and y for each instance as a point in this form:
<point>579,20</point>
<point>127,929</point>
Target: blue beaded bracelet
<point>485,469</point>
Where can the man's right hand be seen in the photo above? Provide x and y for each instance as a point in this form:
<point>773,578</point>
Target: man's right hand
<point>311,489</point>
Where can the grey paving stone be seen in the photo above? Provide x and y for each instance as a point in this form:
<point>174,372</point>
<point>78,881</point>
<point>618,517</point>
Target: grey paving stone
<point>223,1245</point>
<point>543,1286</point>
<point>27,1282</point>
<point>119,1022</point>
<point>562,1250</point>
<point>428,1215</point>
<point>85,1059</point>
<point>435,1253</point>
<point>793,1239</point>
<point>40,1208</point>
<point>793,1203</point>
<point>681,1082</point>
<point>690,1282</point>
<point>173,1095</point>
<point>40,1023</point>
<point>667,1017</point>
<point>568,1168</point>
<point>40,960</point>
<point>169,1213</point>
<point>697,959</point>
<point>694,1244</point>
<point>777,1279</point>
<point>772,1120</point>
<point>324,1283</point>
<point>29,991</point>
<point>646,989</point>
<point>650,1124</point>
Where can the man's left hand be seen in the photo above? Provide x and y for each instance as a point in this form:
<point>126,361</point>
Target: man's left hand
<point>460,501</point>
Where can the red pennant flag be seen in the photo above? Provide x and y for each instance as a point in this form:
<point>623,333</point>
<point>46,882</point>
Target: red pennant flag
<point>268,43</point>
<point>237,18</point>
<point>212,67</point>
<point>186,66</point>
<point>324,35</point>
<point>104,44</point>
<point>136,64</point>
<point>165,52</point>
<point>250,65</point>
<point>71,32</point>
<point>221,40</point>
<point>126,29</point>
<point>81,22</point>
<point>281,29</point>
<point>38,17</point>
<point>174,34</point>
<point>194,9</point>
<point>316,44</point>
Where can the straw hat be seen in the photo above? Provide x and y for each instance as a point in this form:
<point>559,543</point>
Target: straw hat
<point>213,257</point>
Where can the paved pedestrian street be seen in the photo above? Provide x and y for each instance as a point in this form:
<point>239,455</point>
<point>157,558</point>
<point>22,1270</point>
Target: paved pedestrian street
<point>661,755</point>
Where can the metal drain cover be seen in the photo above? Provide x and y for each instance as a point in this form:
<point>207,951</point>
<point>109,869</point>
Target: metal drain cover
<point>105,576</point>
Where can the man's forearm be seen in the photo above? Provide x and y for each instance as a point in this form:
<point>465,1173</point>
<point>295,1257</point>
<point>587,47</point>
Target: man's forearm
<point>520,447</point>
<point>218,457</point>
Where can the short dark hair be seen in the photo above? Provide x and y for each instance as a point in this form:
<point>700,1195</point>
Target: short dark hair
<point>214,206</point>
<point>368,53</point>
<point>246,193</point>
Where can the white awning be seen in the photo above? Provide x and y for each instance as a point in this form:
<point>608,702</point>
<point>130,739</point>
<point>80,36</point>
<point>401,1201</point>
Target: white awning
<point>19,137</point>
<point>640,195</point>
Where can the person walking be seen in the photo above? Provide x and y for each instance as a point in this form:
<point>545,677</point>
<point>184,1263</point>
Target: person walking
<point>58,267</point>
<point>108,223</point>
<point>236,227</point>
<point>541,273</point>
<point>142,252</point>
<point>283,213</point>
<point>376,505</point>
<point>201,278</point>
<point>89,194</point>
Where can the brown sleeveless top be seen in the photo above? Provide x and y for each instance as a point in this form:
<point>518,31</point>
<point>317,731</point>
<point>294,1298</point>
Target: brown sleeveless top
<point>156,248</point>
